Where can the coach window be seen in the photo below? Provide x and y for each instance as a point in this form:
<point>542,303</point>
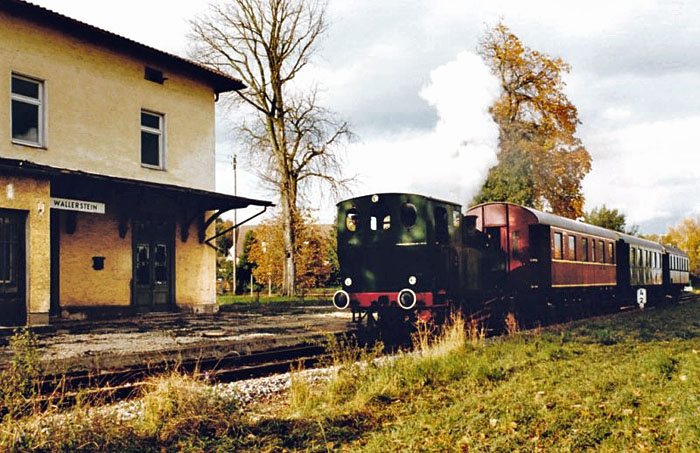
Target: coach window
<point>611,252</point>
<point>514,242</point>
<point>601,251</point>
<point>572,248</point>
<point>558,246</point>
<point>639,257</point>
<point>593,250</point>
<point>352,220</point>
<point>27,96</point>
<point>584,249</point>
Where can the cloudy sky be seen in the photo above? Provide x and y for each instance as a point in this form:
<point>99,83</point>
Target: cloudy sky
<point>405,75</point>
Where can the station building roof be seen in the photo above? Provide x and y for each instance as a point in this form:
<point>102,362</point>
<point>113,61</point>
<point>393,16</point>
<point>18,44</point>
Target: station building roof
<point>219,81</point>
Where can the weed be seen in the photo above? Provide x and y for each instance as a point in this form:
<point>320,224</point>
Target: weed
<point>511,324</point>
<point>19,383</point>
<point>667,366</point>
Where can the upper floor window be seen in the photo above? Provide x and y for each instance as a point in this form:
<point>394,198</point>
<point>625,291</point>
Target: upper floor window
<point>152,139</point>
<point>27,97</point>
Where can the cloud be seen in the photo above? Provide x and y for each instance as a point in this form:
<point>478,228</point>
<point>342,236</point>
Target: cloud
<point>452,159</point>
<point>650,171</point>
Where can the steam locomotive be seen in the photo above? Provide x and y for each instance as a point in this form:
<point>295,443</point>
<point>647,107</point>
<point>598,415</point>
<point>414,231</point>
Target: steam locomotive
<point>405,257</point>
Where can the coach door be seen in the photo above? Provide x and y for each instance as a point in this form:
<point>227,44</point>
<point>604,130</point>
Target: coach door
<point>153,265</point>
<point>13,306</point>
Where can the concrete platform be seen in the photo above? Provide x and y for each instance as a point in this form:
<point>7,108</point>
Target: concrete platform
<point>153,338</point>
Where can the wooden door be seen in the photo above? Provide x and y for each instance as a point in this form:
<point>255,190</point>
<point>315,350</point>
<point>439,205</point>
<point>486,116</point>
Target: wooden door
<point>13,304</point>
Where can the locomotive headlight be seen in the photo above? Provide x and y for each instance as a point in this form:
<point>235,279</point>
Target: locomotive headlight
<point>348,281</point>
<point>341,300</point>
<point>407,299</point>
<point>412,280</point>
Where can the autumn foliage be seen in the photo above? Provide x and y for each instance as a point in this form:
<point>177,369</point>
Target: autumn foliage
<point>311,253</point>
<point>686,236</point>
<point>541,162</point>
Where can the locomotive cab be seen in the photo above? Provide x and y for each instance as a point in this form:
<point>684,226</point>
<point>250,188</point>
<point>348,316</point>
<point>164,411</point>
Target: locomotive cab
<point>399,254</point>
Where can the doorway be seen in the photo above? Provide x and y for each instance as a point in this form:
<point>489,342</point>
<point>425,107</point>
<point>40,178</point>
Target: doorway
<point>13,304</point>
<point>153,265</point>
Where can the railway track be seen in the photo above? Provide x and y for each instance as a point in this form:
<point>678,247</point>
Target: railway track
<point>114,385</point>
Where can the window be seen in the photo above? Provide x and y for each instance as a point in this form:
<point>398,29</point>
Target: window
<point>379,218</point>
<point>572,248</point>
<point>593,250</point>
<point>558,246</point>
<point>152,140</point>
<point>601,249</point>
<point>584,249</point>
<point>352,220</point>
<point>611,252</point>
<point>441,233</point>
<point>514,242</point>
<point>408,215</point>
<point>27,111</point>
<point>639,257</point>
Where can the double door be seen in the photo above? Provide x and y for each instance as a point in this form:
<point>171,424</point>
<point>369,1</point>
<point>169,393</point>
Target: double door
<point>153,264</point>
<point>13,305</point>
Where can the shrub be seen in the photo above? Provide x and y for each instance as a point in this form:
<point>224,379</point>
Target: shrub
<point>19,383</point>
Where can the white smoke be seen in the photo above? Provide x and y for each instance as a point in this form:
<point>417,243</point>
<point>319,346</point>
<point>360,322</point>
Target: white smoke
<point>452,160</point>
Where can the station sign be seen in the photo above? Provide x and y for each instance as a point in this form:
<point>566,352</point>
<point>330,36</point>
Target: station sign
<point>77,205</point>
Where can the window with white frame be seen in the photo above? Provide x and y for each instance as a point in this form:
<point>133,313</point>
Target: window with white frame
<point>152,139</point>
<point>27,96</point>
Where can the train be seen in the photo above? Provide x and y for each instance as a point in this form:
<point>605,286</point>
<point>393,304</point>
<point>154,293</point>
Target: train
<point>407,257</point>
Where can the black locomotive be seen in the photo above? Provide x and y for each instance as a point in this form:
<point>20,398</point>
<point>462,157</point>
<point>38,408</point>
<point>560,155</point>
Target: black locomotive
<point>405,257</point>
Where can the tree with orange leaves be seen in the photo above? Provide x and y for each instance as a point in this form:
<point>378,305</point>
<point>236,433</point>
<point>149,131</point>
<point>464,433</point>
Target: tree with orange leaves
<point>312,266</point>
<point>541,162</point>
<point>686,236</point>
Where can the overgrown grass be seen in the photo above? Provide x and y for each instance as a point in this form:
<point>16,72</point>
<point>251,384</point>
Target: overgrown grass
<point>621,383</point>
<point>230,302</point>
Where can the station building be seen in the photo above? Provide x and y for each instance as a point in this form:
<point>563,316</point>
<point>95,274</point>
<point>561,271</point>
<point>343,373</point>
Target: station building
<point>107,170</point>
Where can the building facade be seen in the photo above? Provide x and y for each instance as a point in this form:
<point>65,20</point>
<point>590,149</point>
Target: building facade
<point>106,172</point>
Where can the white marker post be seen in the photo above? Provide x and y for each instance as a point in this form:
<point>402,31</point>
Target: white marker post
<point>641,298</point>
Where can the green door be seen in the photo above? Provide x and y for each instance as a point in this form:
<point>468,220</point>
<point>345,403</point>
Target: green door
<point>153,265</point>
<point>13,305</point>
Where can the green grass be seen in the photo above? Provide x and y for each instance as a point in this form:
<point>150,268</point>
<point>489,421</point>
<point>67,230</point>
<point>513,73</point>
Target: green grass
<point>228,302</point>
<point>622,383</point>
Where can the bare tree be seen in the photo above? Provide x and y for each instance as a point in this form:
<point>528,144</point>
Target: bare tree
<point>266,43</point>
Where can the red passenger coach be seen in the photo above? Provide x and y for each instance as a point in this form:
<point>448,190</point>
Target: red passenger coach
<point>545,253</point>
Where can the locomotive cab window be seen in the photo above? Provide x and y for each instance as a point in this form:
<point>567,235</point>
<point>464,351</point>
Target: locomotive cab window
<point>408,215</point>
<point>352,220</point>
<point>379,219</point>
<point>441,233</point>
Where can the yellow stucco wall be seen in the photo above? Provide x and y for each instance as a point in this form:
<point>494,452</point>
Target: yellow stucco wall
<point>195,268</point>
<point>80,284</point>
<point>93,102</point>
<point>97,235</point>
<point>32,195</point>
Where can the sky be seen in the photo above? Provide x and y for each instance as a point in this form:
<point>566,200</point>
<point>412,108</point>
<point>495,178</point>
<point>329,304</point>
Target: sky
<point>405,75</point>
